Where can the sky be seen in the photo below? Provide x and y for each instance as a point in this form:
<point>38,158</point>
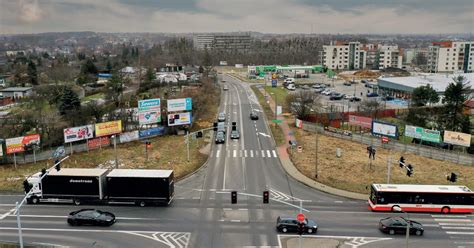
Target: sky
<point>266,16</point>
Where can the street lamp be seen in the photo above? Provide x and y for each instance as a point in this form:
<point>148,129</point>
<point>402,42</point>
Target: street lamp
<point>399,209</point>
<point>115,150</point>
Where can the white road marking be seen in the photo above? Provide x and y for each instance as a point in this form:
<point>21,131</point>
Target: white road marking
<point>251,153</point>
<point>274,154</point>
<point>235,153</point>
<point>245,152</point>
<point>234,220</point>
<point>240,153</point>
<point>461,233</point>
<point>456,224</point>
<point>7,213</point>
<point>263,134</point>
<point>431,225</point>
<point>451,216</point>
<point>269,155</point>
<point>338,202</point>
<point>458,227</point>
<point>217,153</point>
<point>453,220</point>
<point>263,154</point>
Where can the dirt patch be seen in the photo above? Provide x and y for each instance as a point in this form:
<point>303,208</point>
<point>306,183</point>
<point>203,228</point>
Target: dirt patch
<point>352,171</point>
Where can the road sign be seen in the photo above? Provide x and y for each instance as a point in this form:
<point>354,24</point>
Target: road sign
<point>276,121</point>
<point>384,139</point>
<point>274,83</point>
<point>300,217</point>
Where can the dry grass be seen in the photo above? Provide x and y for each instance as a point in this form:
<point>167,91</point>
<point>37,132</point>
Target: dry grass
<point>351,172</point>
<point>167,152</point>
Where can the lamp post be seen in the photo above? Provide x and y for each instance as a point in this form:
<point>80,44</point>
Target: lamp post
<point>115,150</point>
<point>399,209</point>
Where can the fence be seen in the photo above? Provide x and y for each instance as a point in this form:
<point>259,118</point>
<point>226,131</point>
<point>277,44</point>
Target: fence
<point>421,150</point>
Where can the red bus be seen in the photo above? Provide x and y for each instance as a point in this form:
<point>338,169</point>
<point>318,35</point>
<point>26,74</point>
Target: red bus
<point>421,198</point>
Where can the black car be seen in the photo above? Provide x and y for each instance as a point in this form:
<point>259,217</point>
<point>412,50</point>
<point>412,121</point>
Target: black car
<point>393,225</point>
<point>355,99</point>
<point>289,224</point>
<point>90,217</point>
<point>220,137</point>
<point>336,96</point>
<point>253,116</point>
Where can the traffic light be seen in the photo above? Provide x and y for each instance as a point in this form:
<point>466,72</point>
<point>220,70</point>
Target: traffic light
<point>148,144</point>
<point>300,228</point>
<point>215,126</point>
<point>43,171</point>
<point>234,126</point>
<point>409,170</point>
<point>453,177</point>
<point>199,134</point>
<point>401,162</point>
<point>26,186</point>
<point>57,165</point>
<point>233,196</point>
<point>266,197</point>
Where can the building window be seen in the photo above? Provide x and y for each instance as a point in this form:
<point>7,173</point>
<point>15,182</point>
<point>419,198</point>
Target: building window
<point>447,63</point>
<point>448,50</point>
<point>454,49</point>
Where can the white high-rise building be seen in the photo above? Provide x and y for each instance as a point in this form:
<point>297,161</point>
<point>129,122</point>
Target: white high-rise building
<point>239,42</point>
<point>451,56</point>
<point>344,56</point>
<point>389,56</point>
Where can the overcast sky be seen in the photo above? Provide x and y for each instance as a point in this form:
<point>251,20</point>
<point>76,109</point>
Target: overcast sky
<point>268,16</point>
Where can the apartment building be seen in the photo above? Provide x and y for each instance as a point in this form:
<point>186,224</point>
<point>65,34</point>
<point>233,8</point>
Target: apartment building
<point>451,56</point>
<point>239,42</point>
<point>389,56</point>
<point>344,56</point>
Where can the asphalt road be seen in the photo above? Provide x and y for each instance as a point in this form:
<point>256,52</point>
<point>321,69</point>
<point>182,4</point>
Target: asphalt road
<point>202,214</point>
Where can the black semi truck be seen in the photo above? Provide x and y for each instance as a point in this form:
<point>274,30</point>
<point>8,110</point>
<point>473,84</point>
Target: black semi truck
<point>101,186</point>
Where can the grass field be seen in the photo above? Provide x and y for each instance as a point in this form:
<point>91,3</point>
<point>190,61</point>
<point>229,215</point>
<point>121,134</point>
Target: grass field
<point>352,171</point>
<point>280,94</point>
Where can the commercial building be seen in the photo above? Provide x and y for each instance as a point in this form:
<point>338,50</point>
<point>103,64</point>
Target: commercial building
<point>402,87</point>
<point>16,92</point>
<point>344,56</point>
<point>451,56</point>
<point>239,42</point>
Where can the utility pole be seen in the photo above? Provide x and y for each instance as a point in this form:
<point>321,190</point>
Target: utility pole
<point>187,144</point>
<point>388,170</point>
<point>115,151</point>
<point>316,157</point>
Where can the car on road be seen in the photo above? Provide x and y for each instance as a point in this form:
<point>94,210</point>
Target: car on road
<point>393,225</point>
<point>347,83</point>
<point>336,96</point>
<point>220,137</point>
<point>92,217</point>
<point>289,224</point>
<point>253,115</point>
<point>221,117</point>
<point>355,99</point>
<point>319,90</point>
<point>372,94</point>
<point>235,134</point>
<point>305,87</point>
<point>327,92</point>
<point>317,86</point>
<point>226,88</point>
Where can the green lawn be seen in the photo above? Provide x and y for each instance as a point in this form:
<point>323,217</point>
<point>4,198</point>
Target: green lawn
<point>280,94</point>
<point>93,97</point>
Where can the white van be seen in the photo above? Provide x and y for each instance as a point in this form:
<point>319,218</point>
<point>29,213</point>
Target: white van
<point>291,86</point>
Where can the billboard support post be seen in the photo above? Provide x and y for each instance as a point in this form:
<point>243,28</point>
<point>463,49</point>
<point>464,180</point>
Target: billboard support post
<point>34,154</point>
<point>70,146</point>
<point>187,143</point>
<point>14,159</point>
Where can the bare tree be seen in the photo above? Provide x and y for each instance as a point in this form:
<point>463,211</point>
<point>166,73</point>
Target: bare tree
<point>371,107</point>
<point>302,103</point>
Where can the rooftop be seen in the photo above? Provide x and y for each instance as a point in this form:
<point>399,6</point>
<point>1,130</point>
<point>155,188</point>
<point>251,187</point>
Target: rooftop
<point>439,81</point>
<point>140,173</point>
<point>422,188</point>
<point>12,89</point>
<point>77,172</point>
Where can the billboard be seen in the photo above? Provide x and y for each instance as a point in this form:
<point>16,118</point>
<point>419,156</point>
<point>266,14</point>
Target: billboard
<point>179,119</point>
<point>151,132</point>
<point>149,111</point>
<point>98,142</point>
<point>455,138</point>
<point>384,129</point>
<point>129,136</point>
<point>181,104</point>
<point>78,133</point>
<point>423,134</point>
<point>360,121</point>
<point>108,128</point>
<point>19,144</point>
<point>1,150</point>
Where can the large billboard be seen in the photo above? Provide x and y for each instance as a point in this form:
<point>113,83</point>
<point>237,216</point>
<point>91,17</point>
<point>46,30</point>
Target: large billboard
<point>455,138</point>
<point>19,144</point>
<point>78,133</point>
<point>98,142</point>
<point>423,134</point>
<point>360,121</point>
<point>181,104</point>
<point>179,119</point>
<point>151,132</point>
<point>108,128</point>
<point>384,129</point>
<point>129,136</point>
<point>149,111</point>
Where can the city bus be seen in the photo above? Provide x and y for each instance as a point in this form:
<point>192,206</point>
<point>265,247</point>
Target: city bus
<point>421,198</point>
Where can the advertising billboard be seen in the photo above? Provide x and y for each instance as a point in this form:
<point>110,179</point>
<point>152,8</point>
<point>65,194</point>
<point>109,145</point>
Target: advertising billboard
<point>414,132</point>
<point>98,142</point>
<point>179,119</point>
<point>78,133</point>
<point>19,144</point>
<point>129,136</point>
<point>455,138</point>
<point>151,132</point>
<point>181,104</point>
<point>360,121</point>
<point>384,129</point>
<point>149,111</point>
<point>108,128</point>
<point>423,134</point>
<point>1,150</point>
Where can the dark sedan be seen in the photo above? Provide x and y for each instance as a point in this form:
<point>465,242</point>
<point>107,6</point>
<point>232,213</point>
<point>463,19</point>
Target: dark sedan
<point>253,116</point>
<point>289,224</point>
<point>393,225</point>
<point>90,217</point>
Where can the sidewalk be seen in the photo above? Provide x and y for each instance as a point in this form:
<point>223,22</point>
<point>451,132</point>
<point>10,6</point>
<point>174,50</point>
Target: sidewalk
<point>290,167</point>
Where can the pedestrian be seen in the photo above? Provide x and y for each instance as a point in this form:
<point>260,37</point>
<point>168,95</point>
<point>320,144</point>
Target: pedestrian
<point>373,154</point>
<point>361,93</point>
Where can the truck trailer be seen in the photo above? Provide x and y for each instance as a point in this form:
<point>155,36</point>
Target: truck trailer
<point>102,186</point>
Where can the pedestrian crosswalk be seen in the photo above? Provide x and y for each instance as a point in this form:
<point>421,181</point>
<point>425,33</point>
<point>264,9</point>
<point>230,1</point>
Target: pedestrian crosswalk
<point>245,153</point>
<point>458,227</point>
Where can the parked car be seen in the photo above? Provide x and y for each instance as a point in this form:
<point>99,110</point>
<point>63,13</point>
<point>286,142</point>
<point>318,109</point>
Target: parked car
<point>337,96</point>
<point>347,97</point>
<point>319,90</point>
<point>221,116</point>
<point>305,87</point>
<point>226,88</point>
<point>355,99</point>
<point>327,92</point>
<point>347,83</point>
<point>289,224</point>
<point>317,86</point>
<point>253,115</point>
<point>90,217</point>
<point>291,86</point>
<point>220,137</point>
<point>372,94</point>
<point>235,134</point>
<point>393,225</point>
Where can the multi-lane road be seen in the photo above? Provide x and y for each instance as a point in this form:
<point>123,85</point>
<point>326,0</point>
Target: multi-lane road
<point>202,215</point>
